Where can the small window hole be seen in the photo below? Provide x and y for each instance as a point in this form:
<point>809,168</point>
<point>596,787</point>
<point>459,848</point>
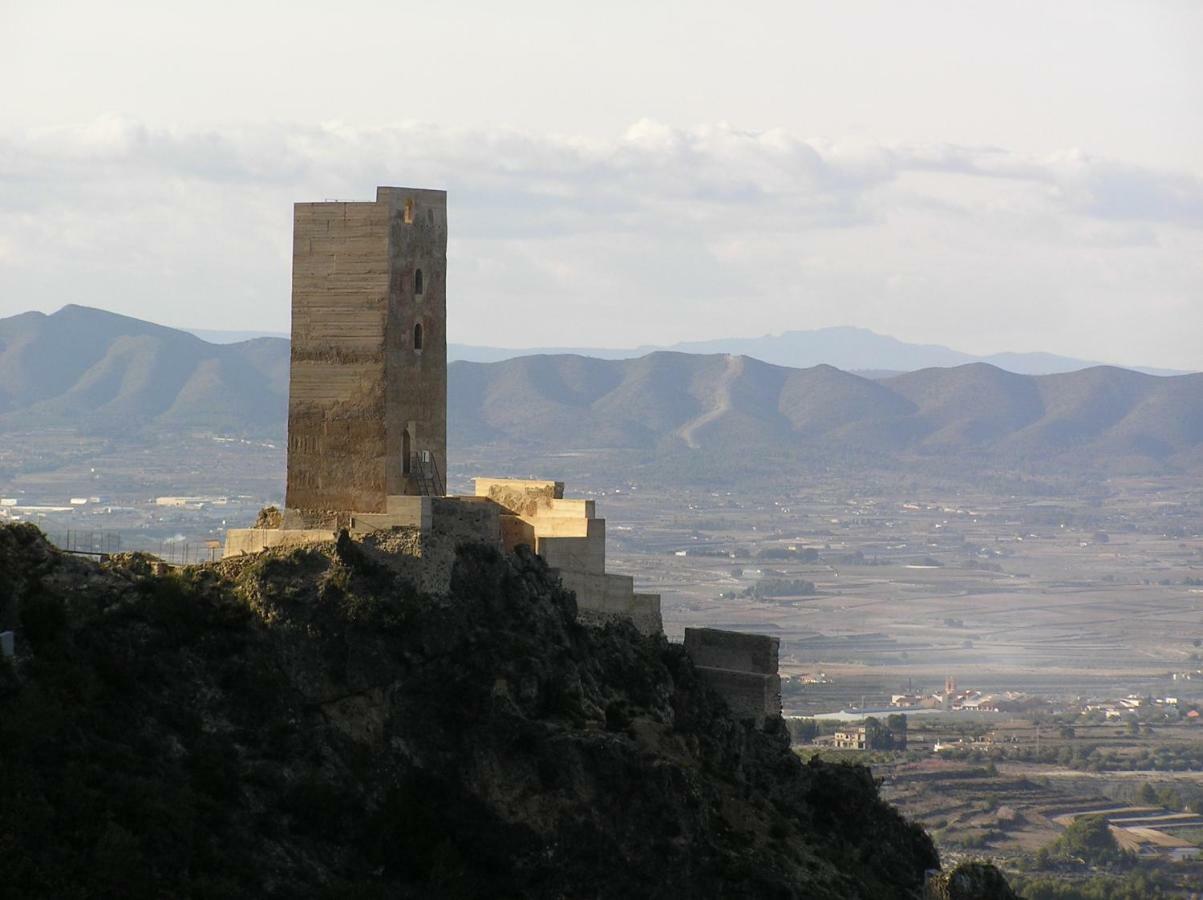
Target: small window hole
<point>418,281</point>
<point>409,211</point>
<point>418,336</point>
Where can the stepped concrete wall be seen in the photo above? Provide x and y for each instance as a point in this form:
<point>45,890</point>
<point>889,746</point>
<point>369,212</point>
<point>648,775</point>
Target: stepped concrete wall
<point>572,540</point>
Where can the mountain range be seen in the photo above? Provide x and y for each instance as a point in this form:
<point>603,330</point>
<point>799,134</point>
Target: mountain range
<point>96,369</point>
<point>852,349</point>
<point>844,347</point>
<point>735,405</point>
<point>93,369</point>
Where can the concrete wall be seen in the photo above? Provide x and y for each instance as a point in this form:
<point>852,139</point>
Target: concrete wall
<point>584,551</point>
<point>606,598</point>
<point>253,540</point>
<point>357,383</point>
<point>750,695</point>
<point>520,496</point>
<point>742,668</point>
<point>572,540</point>
<point>401,511</point>
<point>467,520</point>
<point>733,650</point>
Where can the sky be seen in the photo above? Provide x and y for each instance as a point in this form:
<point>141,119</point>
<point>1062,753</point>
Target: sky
<point>990,176</point>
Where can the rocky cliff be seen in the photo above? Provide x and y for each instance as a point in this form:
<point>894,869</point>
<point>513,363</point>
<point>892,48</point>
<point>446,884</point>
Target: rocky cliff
<point>311,725</point>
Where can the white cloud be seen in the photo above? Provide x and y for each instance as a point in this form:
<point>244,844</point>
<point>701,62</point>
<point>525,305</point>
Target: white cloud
<point>656,235</point>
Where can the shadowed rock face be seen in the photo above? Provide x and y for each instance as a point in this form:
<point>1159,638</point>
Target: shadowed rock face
<point>971,881</point>
<point>310,725</point>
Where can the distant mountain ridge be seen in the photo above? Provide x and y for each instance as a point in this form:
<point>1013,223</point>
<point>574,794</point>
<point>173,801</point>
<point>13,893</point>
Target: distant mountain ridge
<point>91,369</point>
<point>666,401</point>
<point>845,347</point>
<point>848,348</point>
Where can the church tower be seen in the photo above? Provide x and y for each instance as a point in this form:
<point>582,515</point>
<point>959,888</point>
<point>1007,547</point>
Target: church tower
<point>367,393</point>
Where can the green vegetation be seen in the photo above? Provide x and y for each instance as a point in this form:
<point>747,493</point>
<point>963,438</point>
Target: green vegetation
<point>1139,885</point>
<point>1088,840</point>
<point>781,587</point>
<point>1090,757</point>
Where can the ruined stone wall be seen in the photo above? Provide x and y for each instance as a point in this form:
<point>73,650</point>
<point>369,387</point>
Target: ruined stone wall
<point>741,667</point>
<point>521,496</point>
<point>737,650</point>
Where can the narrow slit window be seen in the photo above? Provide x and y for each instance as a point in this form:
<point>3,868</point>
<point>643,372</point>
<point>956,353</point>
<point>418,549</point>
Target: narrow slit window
<point>418,336</point>
<point>409,211</point>
<point>418,281</point>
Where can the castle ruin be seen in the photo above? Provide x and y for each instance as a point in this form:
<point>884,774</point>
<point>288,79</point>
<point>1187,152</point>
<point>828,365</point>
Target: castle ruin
<point>367,388</point>
<point>367,430</point>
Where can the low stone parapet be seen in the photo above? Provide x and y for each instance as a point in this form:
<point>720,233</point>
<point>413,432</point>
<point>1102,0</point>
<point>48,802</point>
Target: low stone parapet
<point>240,541</point>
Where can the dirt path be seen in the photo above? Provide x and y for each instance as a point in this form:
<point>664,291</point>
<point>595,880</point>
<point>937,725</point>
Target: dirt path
<point>722,402</point>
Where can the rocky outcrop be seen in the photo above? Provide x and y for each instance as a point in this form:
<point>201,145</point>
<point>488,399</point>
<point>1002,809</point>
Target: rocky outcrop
<point>970,881</point>
<point>309,724</point>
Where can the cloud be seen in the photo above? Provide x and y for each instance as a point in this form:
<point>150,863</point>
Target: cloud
<point>674,233</point>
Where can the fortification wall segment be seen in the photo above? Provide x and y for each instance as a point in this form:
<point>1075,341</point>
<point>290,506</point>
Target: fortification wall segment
<point>586,553</point>
<point>721,649</point>
<point>467,520</point>
<point>610,598</point>
<point>750,695</point>
<point>572,540</point>
<point>240,541</point>
<point>524,497</point>
<point>516,531</point>
<point>742,668</point>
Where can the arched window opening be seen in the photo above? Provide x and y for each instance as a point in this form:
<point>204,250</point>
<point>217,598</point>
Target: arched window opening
<point>418,336</point>
<point>418,281</point>
<point>409,211</point>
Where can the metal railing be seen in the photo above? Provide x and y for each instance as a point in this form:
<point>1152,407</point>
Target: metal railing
<point>424,470</point>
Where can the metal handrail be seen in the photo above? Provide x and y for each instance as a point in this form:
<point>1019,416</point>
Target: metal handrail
<point>424,469</point>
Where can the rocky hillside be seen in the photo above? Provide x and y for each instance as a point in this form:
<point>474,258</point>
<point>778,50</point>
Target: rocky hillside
<point>310,725</point>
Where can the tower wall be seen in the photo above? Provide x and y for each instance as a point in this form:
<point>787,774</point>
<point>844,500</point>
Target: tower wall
<point>357,382</point>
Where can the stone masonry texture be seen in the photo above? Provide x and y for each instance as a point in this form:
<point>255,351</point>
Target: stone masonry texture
<point>369,283</point>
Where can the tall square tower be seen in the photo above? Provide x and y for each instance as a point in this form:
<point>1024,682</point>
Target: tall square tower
<point>367,393</point>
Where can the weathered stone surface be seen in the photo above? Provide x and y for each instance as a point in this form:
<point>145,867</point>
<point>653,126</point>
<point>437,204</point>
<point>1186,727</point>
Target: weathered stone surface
<point>969,881</point>
<point>363,396</point>
<point>741,667</point>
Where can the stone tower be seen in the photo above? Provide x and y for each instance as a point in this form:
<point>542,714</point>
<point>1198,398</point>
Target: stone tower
<point>367,393</point>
